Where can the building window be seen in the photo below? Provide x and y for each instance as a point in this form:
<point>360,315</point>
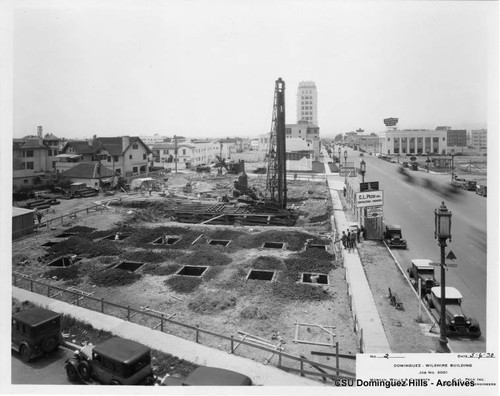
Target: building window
<point>109,158</point>
<point>183,151</point>
<point>135,146</point>
<point>130,156</point>
<point>143,169</point>
<point>50,153</point>
<point>143,156</point>
<point>28,153</point>
<point>134,170</point>
<point>25,181</point>
<point>30,165</point>
<point>115,158</point>
<point>118,171</point>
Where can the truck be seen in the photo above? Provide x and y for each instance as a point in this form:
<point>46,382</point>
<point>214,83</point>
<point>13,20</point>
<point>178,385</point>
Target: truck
<point>422,270</point>
<point>469,185</point>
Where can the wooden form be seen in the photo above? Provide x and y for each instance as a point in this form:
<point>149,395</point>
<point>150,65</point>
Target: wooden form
<point>83,293</point>
<point>322,327</point>
<point>261,341</point>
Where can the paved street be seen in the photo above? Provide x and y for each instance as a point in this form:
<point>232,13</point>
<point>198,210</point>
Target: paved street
<point>412,206</point>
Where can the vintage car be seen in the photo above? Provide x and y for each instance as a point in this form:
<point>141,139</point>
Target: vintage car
<point>393,237</point>
<point>35,331</point>
<point>116,361</point>
<point>457,323</point>
<point>208,376</point>
<point>422,270</point>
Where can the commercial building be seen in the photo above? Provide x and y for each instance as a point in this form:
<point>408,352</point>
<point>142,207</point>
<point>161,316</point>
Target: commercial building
<point>479,138</point>
<point>457,137</point>
<point>307,102</point>
<point>413,141</point>
<point>305,131</point>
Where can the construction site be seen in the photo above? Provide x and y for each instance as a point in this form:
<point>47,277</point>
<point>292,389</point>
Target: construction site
<point>246,256</point>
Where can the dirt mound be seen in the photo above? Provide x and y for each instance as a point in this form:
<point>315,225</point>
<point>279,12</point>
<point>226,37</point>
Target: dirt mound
<point>205,255</point>
<point>114,277</point>
<point>267,263</point>
<point>160,270</point>
<point>210,302</point>
<point>144,256</point>
<point>295,240</point>
<point>82,245</point>
<point>183,284</point>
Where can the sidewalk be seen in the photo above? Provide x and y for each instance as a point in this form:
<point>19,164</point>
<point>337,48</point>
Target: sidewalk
<point>363,304</point>
<point>183,349</point>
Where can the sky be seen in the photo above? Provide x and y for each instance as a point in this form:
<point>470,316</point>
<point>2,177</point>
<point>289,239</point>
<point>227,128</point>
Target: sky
<point>208,68</point>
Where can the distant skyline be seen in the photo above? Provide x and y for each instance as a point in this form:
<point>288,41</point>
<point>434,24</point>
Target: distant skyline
<point>207,69</point>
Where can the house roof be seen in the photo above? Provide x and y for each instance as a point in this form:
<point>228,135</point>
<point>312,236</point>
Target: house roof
<point>33,143</point>
<point>50,136</point>
<point>22,173</point>
<point>87,171</point>
<point>114,145</point>
<point>80,147</point>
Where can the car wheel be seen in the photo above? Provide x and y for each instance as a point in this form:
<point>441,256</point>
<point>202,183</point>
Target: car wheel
<point>49,344</point>
<point>84,369</point>
<point>25,353</point>
<point>71,372</point>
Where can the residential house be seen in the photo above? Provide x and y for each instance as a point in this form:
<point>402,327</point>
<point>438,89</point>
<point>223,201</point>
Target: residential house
<point>93,174</point>
<point>24,179</point>
<point>35,153</point>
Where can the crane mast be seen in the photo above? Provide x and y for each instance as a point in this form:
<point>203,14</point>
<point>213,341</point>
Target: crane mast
<point>276,158</point>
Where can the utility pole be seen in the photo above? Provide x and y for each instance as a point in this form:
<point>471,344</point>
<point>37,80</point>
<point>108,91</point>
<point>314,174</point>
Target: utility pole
<point>175,152</point>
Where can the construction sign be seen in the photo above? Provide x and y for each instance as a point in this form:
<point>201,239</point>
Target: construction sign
<point>374,211</point>
<point>369,198</point>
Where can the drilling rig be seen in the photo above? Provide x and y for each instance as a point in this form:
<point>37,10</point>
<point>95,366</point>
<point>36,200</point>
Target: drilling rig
<point>276,157</point>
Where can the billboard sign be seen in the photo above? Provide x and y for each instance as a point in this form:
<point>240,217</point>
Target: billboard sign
<point>374,211</point>
<point>369,198</point>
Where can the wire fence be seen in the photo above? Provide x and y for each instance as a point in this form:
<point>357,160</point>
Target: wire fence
<point>165,323</point>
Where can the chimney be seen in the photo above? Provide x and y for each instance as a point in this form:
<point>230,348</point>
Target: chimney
<point>125,142</point>
<point>39,131</point>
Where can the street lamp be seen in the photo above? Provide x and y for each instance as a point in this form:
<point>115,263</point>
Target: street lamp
<point>452,164</point>
<point>340,152</point>
<point>345,167</point>
<point>362,168</point>
<point>442,231</point>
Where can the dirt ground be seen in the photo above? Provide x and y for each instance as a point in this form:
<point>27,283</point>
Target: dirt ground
<point>223,301</point>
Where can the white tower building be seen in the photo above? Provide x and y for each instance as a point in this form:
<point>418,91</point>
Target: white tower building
<point>307,102</point>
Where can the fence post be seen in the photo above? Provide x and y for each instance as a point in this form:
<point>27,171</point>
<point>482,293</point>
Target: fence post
<point>102,305</point>
<point>31,285</point>
<point>161,325</point>
<point>48,291</point>
<point>15,280</point>
<point>361,349</point>
<point>197,334</point>
<point>232,344</point>
<point>301,367</point>
<point>279,359</point>
<point>77,299</point>
<point>128,313</point>
<point>337,356</point>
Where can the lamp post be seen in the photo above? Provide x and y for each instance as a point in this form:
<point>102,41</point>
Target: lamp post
<point>442,231</point>
<point>340,152</point>
<point>428,161</point>
<point>345,167</point>
<point>362,168</point>
<point>452,164</point>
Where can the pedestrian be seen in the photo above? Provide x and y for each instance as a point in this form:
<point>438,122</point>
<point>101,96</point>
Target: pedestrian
<point>39,216</point>
<point>349,240</point>
<point>353,241</point>
<point>344,239</point>
<point>363,232</point>
<point>150,191</point>
<point>358,233</point>
<point>345,191</point>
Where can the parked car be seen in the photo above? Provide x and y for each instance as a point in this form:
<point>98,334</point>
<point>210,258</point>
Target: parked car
<point>393,237</point>
<point>35,331</point>
<point>209,376</point>
<point>481,190</point>
<point>421,269</point>
<point>116,361</point>
<point>457,323</point>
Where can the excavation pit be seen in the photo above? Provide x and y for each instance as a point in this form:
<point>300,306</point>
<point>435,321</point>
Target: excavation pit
<point>314,278</point>
<point>64,235</point>
<point>166,240</point>
<point>130,266</point>
<point>64,261</point>
<point>49,244</point>
<point>273,245</point>
<point>117,237</point>
<point>316,246</point>
<point>261,275</point>
<point>192,270</point>
<point>222,242</point>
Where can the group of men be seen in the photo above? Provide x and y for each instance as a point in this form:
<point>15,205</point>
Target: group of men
<point>349,240</point>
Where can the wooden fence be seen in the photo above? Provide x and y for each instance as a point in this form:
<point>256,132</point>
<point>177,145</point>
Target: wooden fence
<point>87,301</point>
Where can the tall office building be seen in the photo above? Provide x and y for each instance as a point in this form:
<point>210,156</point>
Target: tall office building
<point>307,102</point>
